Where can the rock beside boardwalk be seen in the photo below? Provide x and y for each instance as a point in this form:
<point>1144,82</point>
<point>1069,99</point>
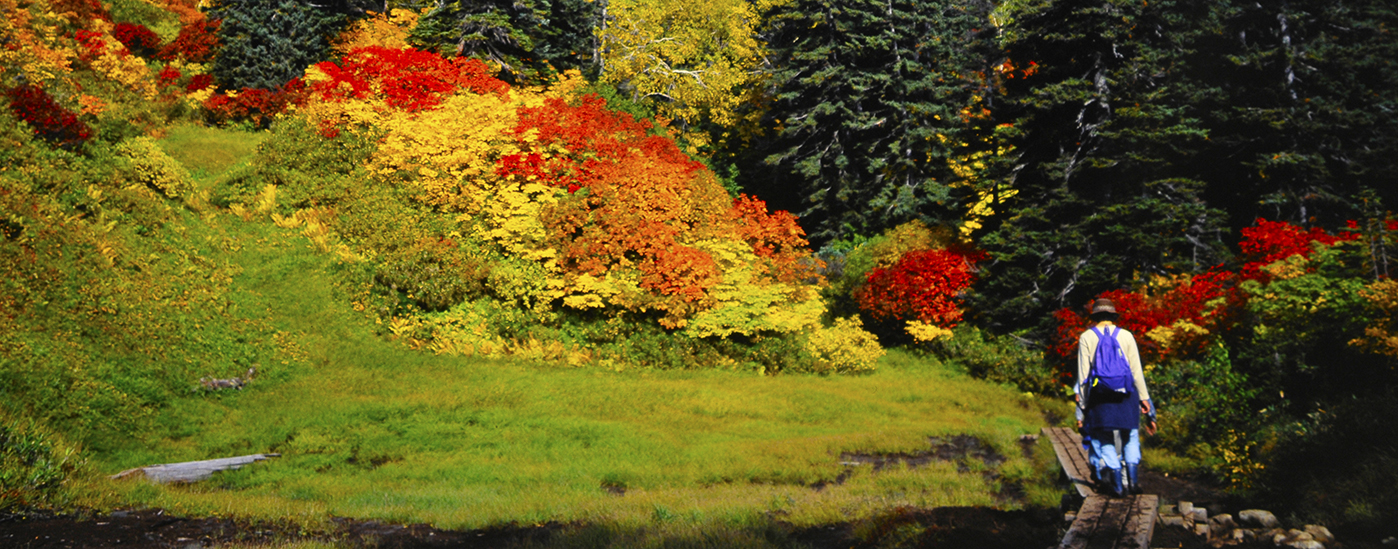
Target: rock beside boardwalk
<point>1258,518</point>
<point>1250,525</point>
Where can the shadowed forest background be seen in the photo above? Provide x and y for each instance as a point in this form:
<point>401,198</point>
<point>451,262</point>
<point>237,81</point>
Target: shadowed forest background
<point>800,190</point>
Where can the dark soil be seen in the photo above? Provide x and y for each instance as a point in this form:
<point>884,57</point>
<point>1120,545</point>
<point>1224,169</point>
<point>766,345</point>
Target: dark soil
<point>958,527</point>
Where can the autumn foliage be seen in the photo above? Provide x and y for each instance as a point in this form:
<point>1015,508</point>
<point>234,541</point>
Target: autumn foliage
<point>923,285</point>
<point>196,43</point>
<point>46,117</point>
<point>1270,241</point>
<point>137,38</point>
<point>1179,316</point>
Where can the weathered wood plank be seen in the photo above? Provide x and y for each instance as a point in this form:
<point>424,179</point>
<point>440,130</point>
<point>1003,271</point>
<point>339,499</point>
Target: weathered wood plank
<point>192,471</point>
<point>1067,445</point>
<point>1086,523</point>
<point>1137,532</point>
<point>1116,516</point>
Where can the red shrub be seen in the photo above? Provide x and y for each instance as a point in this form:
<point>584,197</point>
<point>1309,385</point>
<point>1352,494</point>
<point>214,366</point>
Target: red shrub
<point>139,39</point>
<point>84,10</point>
<point>196,42</point>
<point>408,79</point>
<point>49,120</point>
<point>923,285</point>
<point>169,76</point>
<point>255,105</point>
<point>1192,300</point>
<point>776,237</point>
<point>1271,241</point>
<point>90,45</point>
<point>199,82</point>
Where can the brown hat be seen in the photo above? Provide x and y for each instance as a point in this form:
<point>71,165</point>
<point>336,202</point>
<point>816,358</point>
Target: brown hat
<point>1103,305</point>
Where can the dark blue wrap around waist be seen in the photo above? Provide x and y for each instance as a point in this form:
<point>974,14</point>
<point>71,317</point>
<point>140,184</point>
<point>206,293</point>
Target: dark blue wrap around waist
<point>1109,410</point>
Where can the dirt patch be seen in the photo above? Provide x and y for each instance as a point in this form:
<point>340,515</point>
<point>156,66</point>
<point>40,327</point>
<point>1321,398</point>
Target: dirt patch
<point>151,529</point>
<point>155,529</point>
<point>955,448</point>
<point>959,449</point>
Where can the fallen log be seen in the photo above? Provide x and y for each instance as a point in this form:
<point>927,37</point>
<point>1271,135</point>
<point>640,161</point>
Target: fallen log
<point>191,471</point>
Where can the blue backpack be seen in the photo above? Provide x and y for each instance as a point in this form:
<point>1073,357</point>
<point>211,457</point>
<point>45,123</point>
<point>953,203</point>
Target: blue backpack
<point>1110,370</point>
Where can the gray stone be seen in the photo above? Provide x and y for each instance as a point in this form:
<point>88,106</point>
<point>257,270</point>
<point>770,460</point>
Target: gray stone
<point>1185,507</point>
<point>1174,520</point>
<point>1390,540</point>
<point>1258,518</point>
<point>1221,525</point>
<point>1199,514</point>
<point>1070,517</point>
<point>1306,544</point>
<point>1201,530</point>
<point>1320,533</point>
<point>1167,509</point>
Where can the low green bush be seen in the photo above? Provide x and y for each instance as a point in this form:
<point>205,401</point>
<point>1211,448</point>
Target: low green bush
<point>1002,359</point>
<point>34,464</point>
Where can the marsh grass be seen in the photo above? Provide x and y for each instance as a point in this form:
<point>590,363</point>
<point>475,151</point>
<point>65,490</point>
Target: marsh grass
<point>370,429</point>
<point>208,151</point>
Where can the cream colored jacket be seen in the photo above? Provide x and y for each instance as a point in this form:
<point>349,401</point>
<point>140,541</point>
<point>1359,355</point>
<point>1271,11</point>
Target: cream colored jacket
<point>1087,349</point>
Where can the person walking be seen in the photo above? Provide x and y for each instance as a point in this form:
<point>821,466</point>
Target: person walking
<point>1112,391</point>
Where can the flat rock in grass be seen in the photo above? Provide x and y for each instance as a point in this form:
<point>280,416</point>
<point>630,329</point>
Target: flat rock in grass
<point>191,471</point>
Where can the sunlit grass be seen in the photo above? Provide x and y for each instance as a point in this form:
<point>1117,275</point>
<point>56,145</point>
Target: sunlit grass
<point>207,151</point>
<point>369,429</point>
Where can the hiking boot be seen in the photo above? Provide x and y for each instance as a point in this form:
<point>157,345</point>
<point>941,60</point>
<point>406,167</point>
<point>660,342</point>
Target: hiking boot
<point>1114,483</point>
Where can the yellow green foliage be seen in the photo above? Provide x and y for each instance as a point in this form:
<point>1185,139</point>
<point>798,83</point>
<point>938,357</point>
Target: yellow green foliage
<point>844,347</point>
<point>119,66</point>
<point>742,306</point>
<point>153,168</point>
<point>389,30</point>
<point>923,332</point>
<point>1381,336</point>
<point>39,50</point>
<point>699,60</point>
<point>908,237</point>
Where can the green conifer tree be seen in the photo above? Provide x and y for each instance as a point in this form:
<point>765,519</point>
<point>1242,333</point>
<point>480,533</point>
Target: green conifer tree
<point>527,38</point>
<point>266,43</point>
<point>867,109</point>
<point>1105,126</point>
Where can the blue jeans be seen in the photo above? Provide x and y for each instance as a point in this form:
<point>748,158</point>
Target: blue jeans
<point>1106,450</point>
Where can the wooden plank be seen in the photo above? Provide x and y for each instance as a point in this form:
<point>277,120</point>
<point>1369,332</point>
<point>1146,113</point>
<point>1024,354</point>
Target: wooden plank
<point>1137,532</point>
<point>1116,515</point>
<point>1085,525</point>
<point>192,471</point>
<point>1067,445</point>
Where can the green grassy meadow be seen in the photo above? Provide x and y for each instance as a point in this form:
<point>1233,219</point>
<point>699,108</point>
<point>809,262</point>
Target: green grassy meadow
<point>370,429</point>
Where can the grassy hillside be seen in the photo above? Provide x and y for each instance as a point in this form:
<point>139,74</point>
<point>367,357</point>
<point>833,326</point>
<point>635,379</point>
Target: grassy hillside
<point>369,428</point>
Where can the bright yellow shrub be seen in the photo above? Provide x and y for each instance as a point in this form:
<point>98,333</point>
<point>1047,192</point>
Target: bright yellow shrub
<point>155,169</point>
<point>845,347</point>
<point>389,30</point>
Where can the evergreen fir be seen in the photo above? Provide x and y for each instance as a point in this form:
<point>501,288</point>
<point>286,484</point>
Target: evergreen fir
<point>867,109</point>
<point>266,43</point>
<point>528,39</point>
<point>1105,128</point>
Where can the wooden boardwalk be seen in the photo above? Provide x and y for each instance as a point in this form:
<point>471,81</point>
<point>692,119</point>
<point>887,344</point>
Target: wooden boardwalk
<point>1103,522</point>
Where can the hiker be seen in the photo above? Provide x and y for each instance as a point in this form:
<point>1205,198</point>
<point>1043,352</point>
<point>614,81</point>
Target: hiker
<point>1112,396</point>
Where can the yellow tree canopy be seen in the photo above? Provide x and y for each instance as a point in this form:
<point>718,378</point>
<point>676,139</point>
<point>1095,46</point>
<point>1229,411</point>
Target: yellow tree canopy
<point>696,60</point>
